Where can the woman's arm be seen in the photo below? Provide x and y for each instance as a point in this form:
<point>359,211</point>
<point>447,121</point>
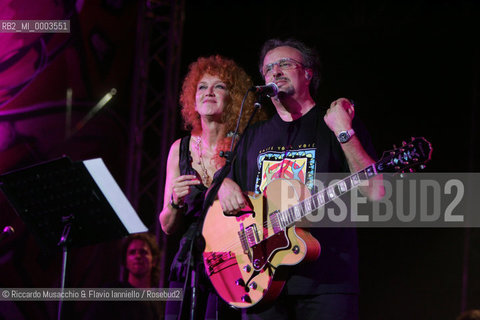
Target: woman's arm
<point>176,188</point>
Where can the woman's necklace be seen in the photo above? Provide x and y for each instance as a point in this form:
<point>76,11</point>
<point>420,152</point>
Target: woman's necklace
<point>205,176</point>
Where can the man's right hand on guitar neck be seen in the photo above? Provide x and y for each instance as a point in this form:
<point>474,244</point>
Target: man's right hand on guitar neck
<point>231,197</point>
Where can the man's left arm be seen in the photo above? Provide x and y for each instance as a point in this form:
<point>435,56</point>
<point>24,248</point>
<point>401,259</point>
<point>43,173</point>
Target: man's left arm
<point>339,118</point>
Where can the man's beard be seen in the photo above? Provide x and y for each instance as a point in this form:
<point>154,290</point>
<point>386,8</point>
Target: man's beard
<point>287,91</point>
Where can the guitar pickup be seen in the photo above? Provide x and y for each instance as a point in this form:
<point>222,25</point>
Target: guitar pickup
<point>274,218</point>
<point>243,239</point>
<point>251,233</point>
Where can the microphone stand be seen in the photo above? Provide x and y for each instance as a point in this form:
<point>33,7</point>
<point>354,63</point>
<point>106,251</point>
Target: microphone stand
<point>191,274</point>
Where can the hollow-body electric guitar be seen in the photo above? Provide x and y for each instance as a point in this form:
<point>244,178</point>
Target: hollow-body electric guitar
<point>244,255</point>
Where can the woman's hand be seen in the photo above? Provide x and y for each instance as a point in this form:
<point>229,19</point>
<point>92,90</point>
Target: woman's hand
<point>181,187</point>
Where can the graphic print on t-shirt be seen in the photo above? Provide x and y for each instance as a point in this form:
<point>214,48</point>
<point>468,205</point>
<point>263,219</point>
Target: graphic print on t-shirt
<point>292,164</point>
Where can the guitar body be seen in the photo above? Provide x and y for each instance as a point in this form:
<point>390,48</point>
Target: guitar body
<point>242,253</point>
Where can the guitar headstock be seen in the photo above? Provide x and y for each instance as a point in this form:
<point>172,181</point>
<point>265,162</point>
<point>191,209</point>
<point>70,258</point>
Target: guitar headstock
<point>408,157</point>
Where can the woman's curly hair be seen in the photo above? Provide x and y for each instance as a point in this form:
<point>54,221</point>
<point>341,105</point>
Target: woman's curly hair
<point>237,82</point>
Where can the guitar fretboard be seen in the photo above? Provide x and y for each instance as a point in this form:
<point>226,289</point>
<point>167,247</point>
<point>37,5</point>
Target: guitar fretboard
<point>283,219</point>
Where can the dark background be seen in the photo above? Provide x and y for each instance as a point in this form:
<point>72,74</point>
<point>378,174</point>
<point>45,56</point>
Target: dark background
<point>412,68</point>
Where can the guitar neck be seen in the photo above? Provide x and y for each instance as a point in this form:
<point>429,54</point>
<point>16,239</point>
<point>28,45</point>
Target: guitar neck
<point>295,213</point>
<point>410,155</point>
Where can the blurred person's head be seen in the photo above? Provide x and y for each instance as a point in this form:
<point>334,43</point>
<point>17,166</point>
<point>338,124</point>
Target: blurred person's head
<point>140,258</point>
<point>469,315</point>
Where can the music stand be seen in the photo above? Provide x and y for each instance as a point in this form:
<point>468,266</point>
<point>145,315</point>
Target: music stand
<point>70,204</point>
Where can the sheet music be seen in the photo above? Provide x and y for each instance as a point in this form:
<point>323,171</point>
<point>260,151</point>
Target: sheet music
<point>117,199</point>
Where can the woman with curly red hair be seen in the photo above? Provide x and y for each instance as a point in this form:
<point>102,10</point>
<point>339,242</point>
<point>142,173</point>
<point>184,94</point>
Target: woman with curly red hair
<point>211,98</point>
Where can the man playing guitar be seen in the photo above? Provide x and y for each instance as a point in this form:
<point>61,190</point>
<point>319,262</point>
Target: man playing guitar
<point>300,140</point>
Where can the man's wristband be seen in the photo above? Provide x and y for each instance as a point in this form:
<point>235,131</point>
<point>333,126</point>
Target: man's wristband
<point>174,205</point>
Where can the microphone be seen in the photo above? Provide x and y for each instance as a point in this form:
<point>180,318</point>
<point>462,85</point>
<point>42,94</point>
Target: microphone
<point>7,231</point>
<point>270,89</point>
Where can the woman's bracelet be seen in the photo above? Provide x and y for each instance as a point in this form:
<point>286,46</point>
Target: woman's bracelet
<point>174,205</point>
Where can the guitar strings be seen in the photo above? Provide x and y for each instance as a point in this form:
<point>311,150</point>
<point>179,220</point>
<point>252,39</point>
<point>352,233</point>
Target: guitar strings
<point>268,224</point>
<point>353,179</point>
<point>325,198</point>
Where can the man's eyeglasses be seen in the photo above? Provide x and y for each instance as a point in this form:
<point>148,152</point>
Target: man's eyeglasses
<point>284,64</point>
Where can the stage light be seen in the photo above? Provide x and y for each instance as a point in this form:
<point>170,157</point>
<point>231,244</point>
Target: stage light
<point>106,98</point>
